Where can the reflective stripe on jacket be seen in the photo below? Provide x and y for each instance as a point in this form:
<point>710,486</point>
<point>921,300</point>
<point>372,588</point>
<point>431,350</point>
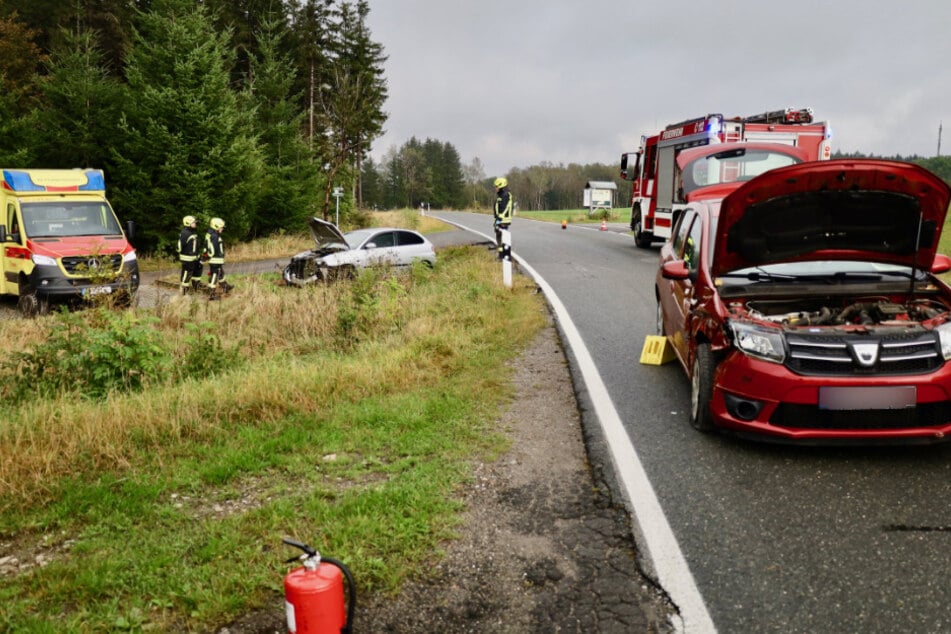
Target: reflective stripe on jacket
<point>188,245</point>
<point>503,206</point>
<point>214,247</point>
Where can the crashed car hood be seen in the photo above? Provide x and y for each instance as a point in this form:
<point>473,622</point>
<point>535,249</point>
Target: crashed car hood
<point>325,233</point>
<point>871,210</point>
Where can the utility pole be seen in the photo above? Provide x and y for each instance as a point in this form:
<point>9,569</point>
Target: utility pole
<point>939,138</point>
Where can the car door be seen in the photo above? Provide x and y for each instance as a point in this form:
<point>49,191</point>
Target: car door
<point>680,295</point>
<point>381,249</point>
<point>410,247</point>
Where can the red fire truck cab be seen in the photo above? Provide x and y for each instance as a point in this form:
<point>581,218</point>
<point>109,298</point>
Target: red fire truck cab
<point>658,194</point>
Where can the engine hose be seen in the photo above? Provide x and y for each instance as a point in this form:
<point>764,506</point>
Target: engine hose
<point>351,591</point>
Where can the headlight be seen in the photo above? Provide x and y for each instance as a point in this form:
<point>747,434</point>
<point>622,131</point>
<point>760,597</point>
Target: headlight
<point>944,336</point>
<point>43,260</point>
<point>762,343</point>
<point>129,257</point>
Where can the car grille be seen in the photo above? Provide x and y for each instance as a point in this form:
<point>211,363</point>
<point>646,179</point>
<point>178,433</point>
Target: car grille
<point>892,354</point>
<point>812,417</point>
<point>92,264</point>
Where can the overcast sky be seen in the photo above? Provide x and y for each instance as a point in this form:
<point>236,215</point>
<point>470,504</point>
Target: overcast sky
<point>520,82</point>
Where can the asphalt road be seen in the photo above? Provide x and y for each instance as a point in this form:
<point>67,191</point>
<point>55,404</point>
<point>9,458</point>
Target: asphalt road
<point>776,538</point>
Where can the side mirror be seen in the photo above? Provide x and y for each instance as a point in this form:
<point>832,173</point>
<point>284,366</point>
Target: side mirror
<point>370,245</point>
<point>941,264</point>
<point>3,233</point>
<point>674,270</point>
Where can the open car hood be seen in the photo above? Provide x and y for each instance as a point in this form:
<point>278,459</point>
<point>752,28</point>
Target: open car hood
<point>325,233</point>
<point>871,210</point>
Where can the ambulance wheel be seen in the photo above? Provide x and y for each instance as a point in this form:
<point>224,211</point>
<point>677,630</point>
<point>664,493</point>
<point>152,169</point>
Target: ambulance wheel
<point>701,389</point>
<point>30,305</point>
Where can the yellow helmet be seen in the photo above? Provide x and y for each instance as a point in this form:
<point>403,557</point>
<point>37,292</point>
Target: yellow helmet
<point>501,182</point>
<point>189,221</point>
<point>217,224</point>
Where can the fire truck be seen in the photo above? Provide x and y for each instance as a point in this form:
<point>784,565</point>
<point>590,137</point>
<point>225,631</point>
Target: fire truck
<point>657,193</point>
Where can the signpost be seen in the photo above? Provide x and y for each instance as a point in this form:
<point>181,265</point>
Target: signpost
<point>338,192</point>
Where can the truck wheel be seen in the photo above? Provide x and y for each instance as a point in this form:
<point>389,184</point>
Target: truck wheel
<point>30,305</point>
<point>642,239</point>
<point>660,320</point>
<point>701,390</point>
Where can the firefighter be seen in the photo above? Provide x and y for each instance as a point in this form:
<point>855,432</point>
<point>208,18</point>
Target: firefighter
<point>503,210</point>
<point>189,254</point>
<point>215,251</point>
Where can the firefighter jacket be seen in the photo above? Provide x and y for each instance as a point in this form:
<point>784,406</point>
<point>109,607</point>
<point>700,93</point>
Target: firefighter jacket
<point>503,207</point>
<point>188,250</point>
<point>214,247</point>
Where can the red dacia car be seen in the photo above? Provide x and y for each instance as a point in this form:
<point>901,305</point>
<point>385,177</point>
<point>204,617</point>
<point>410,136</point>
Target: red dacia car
<point>804,304</point>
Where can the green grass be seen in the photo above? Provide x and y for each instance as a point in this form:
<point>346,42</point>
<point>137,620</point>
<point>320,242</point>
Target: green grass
<point>348,420</point>
<point>577,216</point>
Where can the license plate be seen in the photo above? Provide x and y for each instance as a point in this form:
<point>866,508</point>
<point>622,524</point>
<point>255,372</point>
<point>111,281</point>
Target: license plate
<point>890,397</point>
<point>97,290</point>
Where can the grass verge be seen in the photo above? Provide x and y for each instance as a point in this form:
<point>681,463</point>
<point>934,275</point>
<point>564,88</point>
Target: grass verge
<point>345,417</point>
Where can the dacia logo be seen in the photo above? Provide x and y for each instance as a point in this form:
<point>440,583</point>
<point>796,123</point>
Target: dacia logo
<point>865,354</point>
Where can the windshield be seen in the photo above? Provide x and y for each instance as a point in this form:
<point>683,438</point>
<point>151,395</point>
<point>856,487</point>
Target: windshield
<point>357,237</point>
<point>730,166</point>
<point>63,219</point>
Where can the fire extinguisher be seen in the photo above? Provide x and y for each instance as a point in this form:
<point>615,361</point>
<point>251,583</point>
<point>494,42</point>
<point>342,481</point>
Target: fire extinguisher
<point>313,594</point>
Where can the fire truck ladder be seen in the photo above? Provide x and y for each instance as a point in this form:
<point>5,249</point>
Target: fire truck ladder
<point>789,115</point>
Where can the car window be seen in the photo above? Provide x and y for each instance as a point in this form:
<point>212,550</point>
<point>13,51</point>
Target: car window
<point>692,246</point>
<point>384,239</point>
<point>406,238</point>
<point>680,232</point>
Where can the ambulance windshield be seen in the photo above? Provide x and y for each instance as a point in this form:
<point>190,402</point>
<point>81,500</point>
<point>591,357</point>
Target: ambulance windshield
<point>66,219</point>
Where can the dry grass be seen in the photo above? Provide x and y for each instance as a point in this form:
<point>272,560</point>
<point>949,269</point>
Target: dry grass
<point>410,332</point>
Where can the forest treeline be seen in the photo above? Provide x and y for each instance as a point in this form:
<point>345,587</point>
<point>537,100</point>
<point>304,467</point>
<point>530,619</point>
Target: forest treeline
<point>252,110</point>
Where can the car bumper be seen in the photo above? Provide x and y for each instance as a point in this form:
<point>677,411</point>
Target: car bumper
<point>49,283</point>
<point>768,401</point>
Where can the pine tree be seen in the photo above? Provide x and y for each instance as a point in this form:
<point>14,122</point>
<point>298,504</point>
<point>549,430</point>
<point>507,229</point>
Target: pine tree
<point>82,105</point>
<point>291,178</point>
<point>187,148</point>
<point>364,60</point>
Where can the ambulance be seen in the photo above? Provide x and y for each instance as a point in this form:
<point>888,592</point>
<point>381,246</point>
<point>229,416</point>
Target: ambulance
<point>62,242</point>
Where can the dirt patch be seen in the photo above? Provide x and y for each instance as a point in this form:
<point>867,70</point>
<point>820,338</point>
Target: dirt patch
<point>542,547</point>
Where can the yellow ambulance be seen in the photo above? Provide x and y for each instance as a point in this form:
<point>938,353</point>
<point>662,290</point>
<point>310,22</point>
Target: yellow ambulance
<point>61,240</point>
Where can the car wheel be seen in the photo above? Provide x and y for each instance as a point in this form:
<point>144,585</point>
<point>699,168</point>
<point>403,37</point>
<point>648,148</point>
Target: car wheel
<point>659,326</point>
<point>701,389</point>
<point>29,305</point>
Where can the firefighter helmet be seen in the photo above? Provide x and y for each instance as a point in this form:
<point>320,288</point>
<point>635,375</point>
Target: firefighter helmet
<point>189,221</point>
<point>217,224</point>
<point>501,182</point>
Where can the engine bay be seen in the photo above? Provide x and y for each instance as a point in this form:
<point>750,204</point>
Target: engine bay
<point>859,311</point>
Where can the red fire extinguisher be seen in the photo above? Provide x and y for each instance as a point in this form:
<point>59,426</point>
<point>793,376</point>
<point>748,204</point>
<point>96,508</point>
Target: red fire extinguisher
<point>313,594</point>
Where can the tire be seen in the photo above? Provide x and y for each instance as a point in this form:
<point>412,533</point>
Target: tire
<point>659,321</point>
<point>642,239</point>
<point>701,390</point>
<point>30,306</point>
